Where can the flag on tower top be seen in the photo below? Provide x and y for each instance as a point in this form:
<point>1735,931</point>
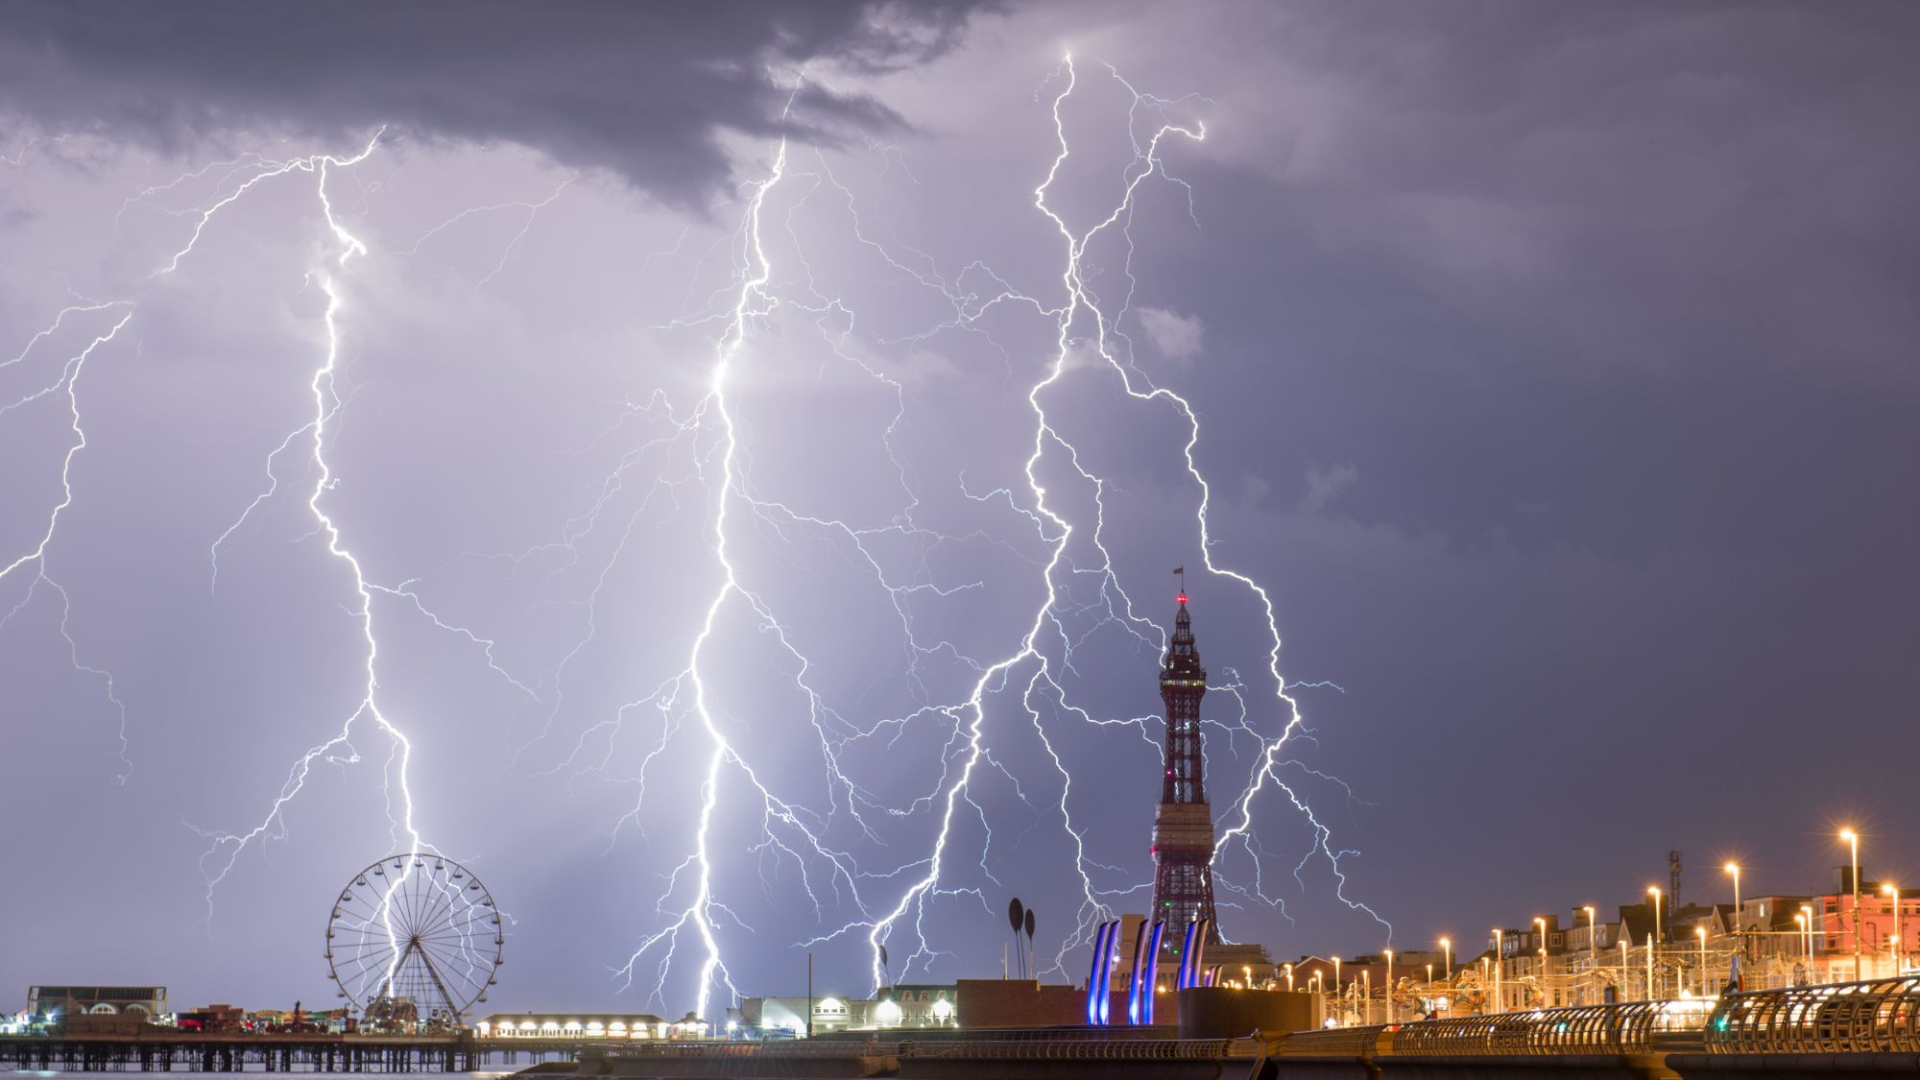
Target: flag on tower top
<point>1179,569</point>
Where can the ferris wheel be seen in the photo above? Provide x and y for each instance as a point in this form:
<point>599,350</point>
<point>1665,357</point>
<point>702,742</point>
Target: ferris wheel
<point>414,940</point>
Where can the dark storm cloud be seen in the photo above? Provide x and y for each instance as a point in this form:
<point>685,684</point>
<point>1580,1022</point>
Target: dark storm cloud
<point>641,89</point>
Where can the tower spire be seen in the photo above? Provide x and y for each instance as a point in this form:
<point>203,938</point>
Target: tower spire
<point>1183,825</point>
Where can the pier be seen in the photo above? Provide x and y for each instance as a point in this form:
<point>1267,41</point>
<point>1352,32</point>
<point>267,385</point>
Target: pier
<point>191,1052</point>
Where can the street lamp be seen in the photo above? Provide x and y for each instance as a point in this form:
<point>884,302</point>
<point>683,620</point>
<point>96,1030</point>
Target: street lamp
<point>1654,945</point>
<point>1499,961</point>
<point>1702,931</point>
<point>1386,989</point>
<point>1805,948</point>
<point>1738,919</point>
<point>1853,841</point>
<point>1807,911</point>
<point>1623,963</point>
<point>1446,948</point>
<point>1894,946</point>
<point>1289,978</point>
<point>1542,924</point>
<point>1336,975</point>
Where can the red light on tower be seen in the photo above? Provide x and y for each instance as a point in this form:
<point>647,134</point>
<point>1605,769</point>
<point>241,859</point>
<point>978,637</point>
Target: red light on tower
<point>1183,598</point>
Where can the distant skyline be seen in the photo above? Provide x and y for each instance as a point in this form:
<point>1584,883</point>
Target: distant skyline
<point>686,412</point>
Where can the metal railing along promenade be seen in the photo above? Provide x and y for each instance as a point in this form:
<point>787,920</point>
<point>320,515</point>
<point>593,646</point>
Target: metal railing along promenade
<point>1068,1048</point>
<point>1628,1027</point>
<point>1025,1046</point>
<point>1882,1015</point>
<point>1364,1041</point>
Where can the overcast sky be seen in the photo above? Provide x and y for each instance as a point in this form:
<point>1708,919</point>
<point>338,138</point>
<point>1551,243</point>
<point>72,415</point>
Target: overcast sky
<point>666,378</point>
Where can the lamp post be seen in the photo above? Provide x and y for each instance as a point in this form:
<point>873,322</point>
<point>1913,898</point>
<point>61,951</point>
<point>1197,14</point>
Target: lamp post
<point>1702,932</point>
<point>1894,945</point>
<point>1624,964</point>
<point>1853,842</point>
<point>1499,961</point>
<point>1738,917</point>
<point>1446,949</point>
<point>1804,947</point>
<point>1654,946</point>
<point>1593,937</point>
<point>1336,976</point>
<point>1289,978</point>
<point>1807,910</point>
<point>1542,925</point>
<point>1386,989</point>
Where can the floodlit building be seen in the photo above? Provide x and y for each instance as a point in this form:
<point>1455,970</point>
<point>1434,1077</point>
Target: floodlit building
<point>911,1005</point>
<point>573,1026</point>
<point>48,1004</point>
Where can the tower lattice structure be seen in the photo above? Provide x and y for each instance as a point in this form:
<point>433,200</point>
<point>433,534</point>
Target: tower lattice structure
<point>1183,826</point>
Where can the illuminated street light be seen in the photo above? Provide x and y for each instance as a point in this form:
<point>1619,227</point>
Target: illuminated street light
<point>1593,937</point>
<point>1853,842</point>
<point>1386,989</point>
<point>1289,978</point>
<point>1499,961</point>
<point>1702,931</point>
<point>1542,924</point>
<point>1738,918</point>
<point>1894,944</point>
<point>1446,947</point>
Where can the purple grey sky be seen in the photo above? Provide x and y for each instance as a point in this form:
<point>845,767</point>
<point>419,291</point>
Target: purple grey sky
<point>1555,374</point>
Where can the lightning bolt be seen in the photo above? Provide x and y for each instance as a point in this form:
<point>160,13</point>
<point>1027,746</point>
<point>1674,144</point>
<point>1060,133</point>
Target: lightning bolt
<point>69,381</point>
<point>704,445</point>
<point>1045,649</point>
<point>225,847</point>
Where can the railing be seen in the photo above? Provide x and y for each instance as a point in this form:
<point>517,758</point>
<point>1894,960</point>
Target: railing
<point>1861,1017</point>
<point>1122,1049</point>
<point>1628,1027</point>
<point>1034,1047</point>
<point>1335,1042</point>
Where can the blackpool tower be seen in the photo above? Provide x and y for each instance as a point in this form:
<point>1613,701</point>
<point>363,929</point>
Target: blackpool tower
<point>1183,827</point>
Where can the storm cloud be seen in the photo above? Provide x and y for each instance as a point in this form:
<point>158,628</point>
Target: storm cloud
<point>640,89</point>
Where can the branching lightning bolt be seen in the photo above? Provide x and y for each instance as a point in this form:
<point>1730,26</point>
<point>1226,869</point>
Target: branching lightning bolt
<point>704,445</point>
<point>69,380</point>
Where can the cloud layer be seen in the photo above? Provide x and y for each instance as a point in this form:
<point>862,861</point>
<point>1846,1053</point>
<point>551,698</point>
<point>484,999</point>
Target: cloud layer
<point>641,89</point>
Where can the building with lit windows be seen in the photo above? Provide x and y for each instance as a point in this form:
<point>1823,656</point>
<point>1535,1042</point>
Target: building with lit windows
<point>49,1004</point>
<point>909,1005</point>
<point>573,1026</point>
